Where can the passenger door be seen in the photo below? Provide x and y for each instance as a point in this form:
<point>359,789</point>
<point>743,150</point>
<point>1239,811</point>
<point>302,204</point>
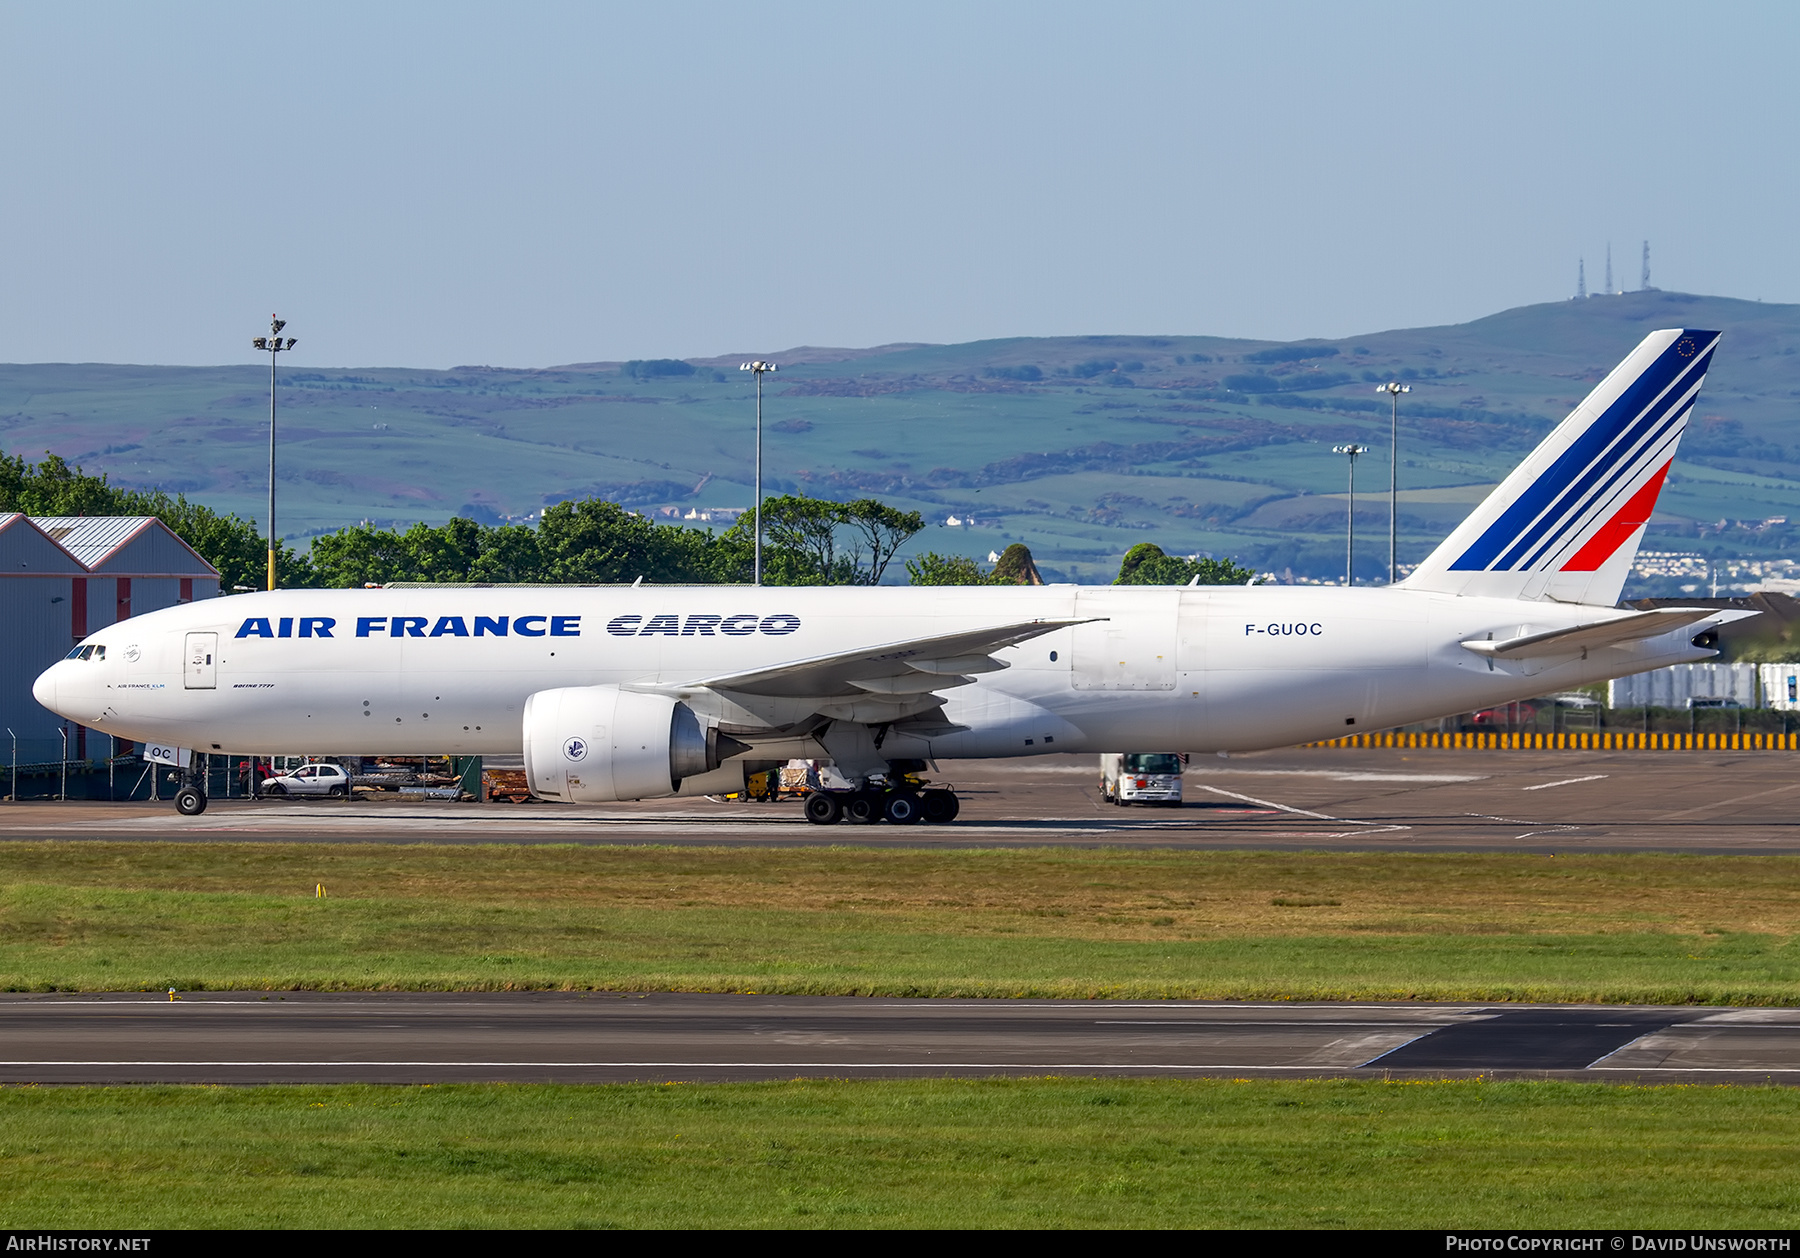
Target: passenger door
<point>202,670</point>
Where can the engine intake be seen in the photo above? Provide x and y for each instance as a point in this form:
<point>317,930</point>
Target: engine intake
<point>597,744</point>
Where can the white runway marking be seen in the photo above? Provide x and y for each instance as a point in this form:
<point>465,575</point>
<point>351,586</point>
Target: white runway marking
<point>1544,786</point>
<point>1374,827</point>
<point>1735,800</point>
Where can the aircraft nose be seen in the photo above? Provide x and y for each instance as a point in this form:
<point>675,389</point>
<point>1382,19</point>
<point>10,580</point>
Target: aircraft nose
<point>44,688</point>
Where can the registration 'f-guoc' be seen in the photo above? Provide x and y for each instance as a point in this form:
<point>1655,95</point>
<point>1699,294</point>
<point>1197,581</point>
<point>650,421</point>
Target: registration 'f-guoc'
<point>618,693</point>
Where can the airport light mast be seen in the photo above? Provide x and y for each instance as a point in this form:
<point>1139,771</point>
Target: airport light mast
<point>275,345</point>
<point>758,368</point>
<point>1352,451</point>
<point>1394,389</point>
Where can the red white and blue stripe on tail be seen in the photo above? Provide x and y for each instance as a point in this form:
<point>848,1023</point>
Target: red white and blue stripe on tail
<point>1566,524</point>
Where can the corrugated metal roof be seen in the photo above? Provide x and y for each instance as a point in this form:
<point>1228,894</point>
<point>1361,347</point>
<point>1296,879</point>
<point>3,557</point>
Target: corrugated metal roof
<point>91,538</point>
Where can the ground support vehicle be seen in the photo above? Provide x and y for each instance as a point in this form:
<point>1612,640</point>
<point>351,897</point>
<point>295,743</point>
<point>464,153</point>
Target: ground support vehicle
<point>1141,777</point>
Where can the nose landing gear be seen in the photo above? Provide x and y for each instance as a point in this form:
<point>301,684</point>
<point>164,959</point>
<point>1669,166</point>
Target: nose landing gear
<point>190,799</point>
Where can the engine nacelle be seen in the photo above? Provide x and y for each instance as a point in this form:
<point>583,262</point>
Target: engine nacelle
<point>596,744</point>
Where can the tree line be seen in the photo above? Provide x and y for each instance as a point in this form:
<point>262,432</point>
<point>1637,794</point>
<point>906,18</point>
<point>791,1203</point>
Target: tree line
<point>806,541</point>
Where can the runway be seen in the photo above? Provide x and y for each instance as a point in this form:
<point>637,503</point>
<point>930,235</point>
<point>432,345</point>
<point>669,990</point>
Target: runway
<point>1301,798</point>
<point>249,1037</point>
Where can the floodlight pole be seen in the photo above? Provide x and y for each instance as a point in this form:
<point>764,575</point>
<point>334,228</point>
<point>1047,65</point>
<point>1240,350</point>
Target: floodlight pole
<point>1394,389</point>
<point>758,368</point>
<point>275,345</point>
<point>1352,451</point>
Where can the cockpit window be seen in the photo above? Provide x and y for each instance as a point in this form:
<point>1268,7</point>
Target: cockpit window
<point>91,651</point>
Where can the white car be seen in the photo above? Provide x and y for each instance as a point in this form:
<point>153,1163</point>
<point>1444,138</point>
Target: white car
<point>312,779</point>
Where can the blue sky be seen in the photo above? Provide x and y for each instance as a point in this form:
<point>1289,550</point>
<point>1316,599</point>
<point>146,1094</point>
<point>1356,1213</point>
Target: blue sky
<point>538,183</point>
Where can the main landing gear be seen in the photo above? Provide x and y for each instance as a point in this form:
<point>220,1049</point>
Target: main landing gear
<point>900,807</point>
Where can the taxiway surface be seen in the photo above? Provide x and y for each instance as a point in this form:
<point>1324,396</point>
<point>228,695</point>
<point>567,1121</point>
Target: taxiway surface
<point>254,1037</point>
<point>1299,798</point>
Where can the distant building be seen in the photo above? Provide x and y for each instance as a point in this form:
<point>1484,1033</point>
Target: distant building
<point>1780,686</point>
<point>64,577</point>
<point>1680,685</point>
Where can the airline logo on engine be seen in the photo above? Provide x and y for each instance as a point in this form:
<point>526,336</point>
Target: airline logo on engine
<point>669,624</point>
<point>575,749</point>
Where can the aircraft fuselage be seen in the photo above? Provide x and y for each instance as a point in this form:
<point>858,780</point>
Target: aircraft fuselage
<point>448,670</point>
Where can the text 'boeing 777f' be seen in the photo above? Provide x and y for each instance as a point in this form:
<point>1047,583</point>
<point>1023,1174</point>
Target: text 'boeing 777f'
<point>618,693</point>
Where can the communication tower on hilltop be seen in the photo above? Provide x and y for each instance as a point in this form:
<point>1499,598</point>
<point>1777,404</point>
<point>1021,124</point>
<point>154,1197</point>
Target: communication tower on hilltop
<point>1581,280</point>
<point>1644,277</point>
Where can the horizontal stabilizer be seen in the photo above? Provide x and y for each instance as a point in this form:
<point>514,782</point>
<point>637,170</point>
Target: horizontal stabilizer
<point>1622,629</point>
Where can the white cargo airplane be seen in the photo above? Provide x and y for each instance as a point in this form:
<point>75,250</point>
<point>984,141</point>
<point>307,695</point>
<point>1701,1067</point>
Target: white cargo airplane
<point>635,692</point>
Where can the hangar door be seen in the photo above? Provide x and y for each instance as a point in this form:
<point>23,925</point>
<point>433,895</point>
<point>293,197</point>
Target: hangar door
<point>202,671</point>
<point>1131,646</point>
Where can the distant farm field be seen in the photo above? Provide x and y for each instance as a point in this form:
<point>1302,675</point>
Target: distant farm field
<point>1078,446</point>
<point>1067,923</point>
<point>903,1153</point>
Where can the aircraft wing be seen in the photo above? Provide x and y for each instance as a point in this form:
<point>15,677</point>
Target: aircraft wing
<point>1622,629</point>
<point>894,671</point>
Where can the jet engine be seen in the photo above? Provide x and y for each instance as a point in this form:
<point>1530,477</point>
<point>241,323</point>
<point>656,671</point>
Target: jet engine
<point>596,744</point>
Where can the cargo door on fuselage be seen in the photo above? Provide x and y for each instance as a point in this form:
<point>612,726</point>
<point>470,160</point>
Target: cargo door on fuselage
<point>1130,643</point>
<point>1191,678</point>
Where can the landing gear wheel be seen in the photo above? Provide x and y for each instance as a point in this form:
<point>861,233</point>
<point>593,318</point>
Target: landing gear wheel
<point>938,807</point>
<point>189,802</point>
<point>863,808</point>
<point>902,809</point>
<point>822,809</point>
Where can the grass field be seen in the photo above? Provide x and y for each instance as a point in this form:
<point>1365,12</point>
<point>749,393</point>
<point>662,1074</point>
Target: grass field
<point>1017,1153</point>
<point>1220,925</point>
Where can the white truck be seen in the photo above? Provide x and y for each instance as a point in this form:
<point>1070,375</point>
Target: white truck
<point>1141,777</point>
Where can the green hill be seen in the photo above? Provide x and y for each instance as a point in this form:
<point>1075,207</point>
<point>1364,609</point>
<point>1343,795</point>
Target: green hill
<point>1077,446</point>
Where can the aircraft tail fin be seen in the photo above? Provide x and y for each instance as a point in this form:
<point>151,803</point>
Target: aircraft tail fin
<point>1565,526</point>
